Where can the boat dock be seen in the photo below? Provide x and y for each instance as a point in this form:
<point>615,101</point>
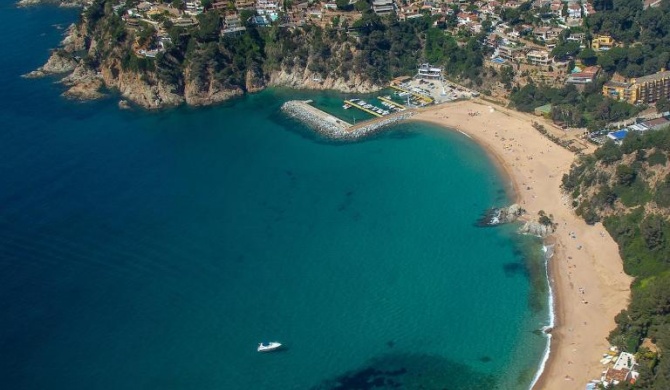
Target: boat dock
<point>335,128</point>
<point>354,104</point>
<point>391,102</point>
<point>423,98</point>
<point>302,110</point>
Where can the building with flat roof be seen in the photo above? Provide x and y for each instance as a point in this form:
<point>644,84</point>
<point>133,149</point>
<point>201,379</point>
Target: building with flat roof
<point>657,123</point>
<point>383,7</point>
<point>585,76</point>
<point>428,71</point>
<point>602,43</point>
<point>538,58</point>
<point>645,89</point>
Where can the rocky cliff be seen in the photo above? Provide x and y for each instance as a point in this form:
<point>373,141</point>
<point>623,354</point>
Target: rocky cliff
<point>103,68</point>
<point>61,3</point>
<point>301,78</point>
<point>59,62</point>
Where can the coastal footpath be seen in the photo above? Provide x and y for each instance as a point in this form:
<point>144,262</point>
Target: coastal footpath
<point>588,282</point>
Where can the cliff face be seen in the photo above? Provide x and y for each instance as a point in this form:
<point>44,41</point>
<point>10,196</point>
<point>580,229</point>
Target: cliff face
<point>61,3</point>
<point>101,56</point>
<point>208,90</point>
<point>301,78</point>
<point>59,62</point>
<point>144,89</point>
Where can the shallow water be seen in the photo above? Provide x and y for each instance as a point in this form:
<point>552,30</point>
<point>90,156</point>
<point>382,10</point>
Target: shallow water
<point>155,250</point>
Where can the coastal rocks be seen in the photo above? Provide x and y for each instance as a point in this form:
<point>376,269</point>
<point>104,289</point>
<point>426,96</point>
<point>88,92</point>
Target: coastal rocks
<point>310,117</point>
<point>254,80</point>
<point>536,228</point>
<point>60,3</point>
<point>58,63</point>
<point>304,79</point>
<point>376,125</point>
<point>503,215</point>
<point>143,89</point>
<point>83,83</point>
<point>75,38</point>
<point>204,92</point>
<point>497,216</point>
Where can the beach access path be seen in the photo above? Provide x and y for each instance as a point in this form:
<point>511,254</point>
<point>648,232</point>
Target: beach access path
<point>586,271</point>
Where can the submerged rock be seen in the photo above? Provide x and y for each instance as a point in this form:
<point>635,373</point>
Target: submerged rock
<point>498,216</point>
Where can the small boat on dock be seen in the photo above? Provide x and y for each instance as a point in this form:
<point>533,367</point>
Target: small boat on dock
<point>346,106</point>
<point>268,346</point>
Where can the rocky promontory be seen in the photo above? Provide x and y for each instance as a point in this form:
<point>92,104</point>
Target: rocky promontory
<point>60,3</point>
<point>59,62</point>
<point>101,55</point>
<point>182,58</point>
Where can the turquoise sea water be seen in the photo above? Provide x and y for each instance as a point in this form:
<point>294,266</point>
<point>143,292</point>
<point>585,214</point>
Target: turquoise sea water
<point>155,250</point>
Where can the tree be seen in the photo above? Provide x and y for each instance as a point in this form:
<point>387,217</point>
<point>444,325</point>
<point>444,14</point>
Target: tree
<point>588,56</point>
<point>179,4</point>
<point>361,6</point>
<point>663,104</point>
<point>507,76</point>
<point>608,153</point>
<point>344,5</point>
<point>566,49</point>
<point>625,174</point>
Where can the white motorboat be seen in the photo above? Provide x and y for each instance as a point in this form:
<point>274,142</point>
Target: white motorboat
<point>268,346</point>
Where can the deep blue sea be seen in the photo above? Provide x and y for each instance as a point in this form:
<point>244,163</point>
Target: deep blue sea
<point>156,250</point>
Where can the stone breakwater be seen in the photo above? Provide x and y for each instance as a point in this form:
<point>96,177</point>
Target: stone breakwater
<point>335,128</point>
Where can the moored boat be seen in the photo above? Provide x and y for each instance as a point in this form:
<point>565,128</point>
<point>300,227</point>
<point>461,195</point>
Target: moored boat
<point>268,346</point>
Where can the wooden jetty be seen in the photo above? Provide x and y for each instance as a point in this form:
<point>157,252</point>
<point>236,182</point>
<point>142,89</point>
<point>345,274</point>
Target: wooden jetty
<point>349,102</point>
<point>391,102</point>
<point>419,96</point>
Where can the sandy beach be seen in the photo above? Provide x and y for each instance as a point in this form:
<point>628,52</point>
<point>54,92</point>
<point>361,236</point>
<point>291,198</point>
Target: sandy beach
<point>586,271</point>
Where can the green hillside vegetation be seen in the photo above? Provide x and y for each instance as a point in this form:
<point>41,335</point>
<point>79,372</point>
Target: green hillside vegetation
<point>627,187</point>
<point>644,48</point>
<point>375,49</point>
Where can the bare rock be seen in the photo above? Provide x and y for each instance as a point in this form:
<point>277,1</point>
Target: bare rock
<point>204,92</point>
<point>144,89</point>
<point>305,79</point>
<point>60,3</point>
<point>254,80</point>
<point>85,90</point>
<point>535,228</point>
<point>58,63</point>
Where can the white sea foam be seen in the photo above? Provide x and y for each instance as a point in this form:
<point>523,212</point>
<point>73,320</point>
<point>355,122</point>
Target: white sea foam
<point>548,253</point>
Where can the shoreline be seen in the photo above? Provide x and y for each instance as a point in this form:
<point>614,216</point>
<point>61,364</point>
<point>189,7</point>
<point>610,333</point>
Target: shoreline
<point>586,279</point>
<point>551,302</point>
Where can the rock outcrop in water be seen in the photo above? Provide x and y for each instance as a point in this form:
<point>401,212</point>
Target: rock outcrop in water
<point>536,228</point>
<point>542,227</point>
<point>497,216</point>
<point>59,62</point>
